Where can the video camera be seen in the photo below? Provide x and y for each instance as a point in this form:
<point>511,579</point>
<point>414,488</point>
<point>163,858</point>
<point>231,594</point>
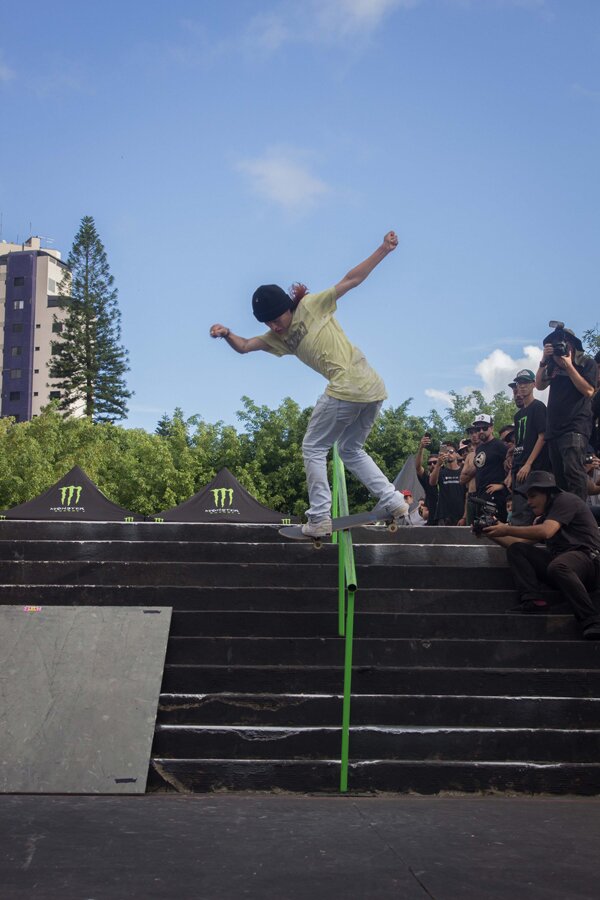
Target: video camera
<point>487,514</point>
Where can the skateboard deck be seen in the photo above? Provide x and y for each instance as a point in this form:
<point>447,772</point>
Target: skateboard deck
<point>344,523</point>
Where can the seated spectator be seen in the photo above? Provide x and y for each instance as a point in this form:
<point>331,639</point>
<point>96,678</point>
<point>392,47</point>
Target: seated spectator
<point>446,476</point>
<point>570,559</point>
<point>431,493</point>
<point>572,378</point>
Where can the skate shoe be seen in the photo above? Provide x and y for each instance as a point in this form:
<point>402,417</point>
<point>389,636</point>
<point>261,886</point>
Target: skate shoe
<point>319,529</point>
<point>399,511</point>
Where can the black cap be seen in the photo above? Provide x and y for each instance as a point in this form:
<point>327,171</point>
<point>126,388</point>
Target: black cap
<point>539,479</point>
<point>269,301</point>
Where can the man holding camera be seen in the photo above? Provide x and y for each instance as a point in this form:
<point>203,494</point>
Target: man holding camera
<point>488,465</point>
<point>571,376</point>
<point>570,559</point>
<point>445,475</point>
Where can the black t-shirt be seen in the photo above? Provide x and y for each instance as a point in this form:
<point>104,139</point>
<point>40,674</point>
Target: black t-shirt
<point>489,463</point>
<point>578,527</point>
<point>530,422</point>
<point>568,409</point>
<point>431,497</point>
<point>451,502</point>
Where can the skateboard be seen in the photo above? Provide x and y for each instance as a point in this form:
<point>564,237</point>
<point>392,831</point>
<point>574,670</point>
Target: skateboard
<point>344,523</point>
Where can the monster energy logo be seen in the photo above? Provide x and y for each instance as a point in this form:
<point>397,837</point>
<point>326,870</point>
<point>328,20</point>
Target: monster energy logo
<point>221,495</point>
<point>223,499</point>
<point>70,495</point>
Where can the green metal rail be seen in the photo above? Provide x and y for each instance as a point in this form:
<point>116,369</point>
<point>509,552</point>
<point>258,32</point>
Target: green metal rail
<point>347,587</point>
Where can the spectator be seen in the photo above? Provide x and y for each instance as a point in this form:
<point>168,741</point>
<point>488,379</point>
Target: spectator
<point>446,476</point>
<point>518,400</point>
<point>531,452</point>
<point>415,516</point>
<point>571,376</point>
<point>569,561</point>
<point>489,465</point>
<point>592,468</point>
<point>595,439</point>
<point>431,493</point>
<point>467,476</point>
<point>507,434</point>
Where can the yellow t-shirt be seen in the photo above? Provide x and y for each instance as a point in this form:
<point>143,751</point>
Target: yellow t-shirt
<point>317,339</point>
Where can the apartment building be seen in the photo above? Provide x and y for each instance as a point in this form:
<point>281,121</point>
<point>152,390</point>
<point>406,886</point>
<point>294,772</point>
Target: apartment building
<point>29,300</point>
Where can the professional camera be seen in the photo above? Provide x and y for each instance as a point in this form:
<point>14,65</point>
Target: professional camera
<point>487,514</point>
<point>557,339</point>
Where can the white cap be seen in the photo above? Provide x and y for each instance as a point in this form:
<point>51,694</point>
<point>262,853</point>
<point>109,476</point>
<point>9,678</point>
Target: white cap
<point>482,419</point>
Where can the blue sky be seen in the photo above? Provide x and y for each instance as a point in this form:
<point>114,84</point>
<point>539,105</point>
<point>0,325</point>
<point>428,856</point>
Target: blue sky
<point>223,145</point>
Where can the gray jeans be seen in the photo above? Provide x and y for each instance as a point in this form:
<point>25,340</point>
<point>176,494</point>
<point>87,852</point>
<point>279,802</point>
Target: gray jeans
<point>349,424</point>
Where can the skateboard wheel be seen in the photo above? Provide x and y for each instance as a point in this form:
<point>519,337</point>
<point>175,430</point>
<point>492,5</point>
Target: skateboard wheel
<point>317,544</point>
<point>393,527</point>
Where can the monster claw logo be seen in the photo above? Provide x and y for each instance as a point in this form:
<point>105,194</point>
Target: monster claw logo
<point>70,495</point>
<point>223,500</point>
<point>222,495</point>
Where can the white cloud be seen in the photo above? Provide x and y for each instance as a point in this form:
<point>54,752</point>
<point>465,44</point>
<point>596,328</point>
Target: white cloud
<point>6,73</point>
<point>281,178</point>
<point>318,21</point>
<point>341,17</point>
<point>495,372</point>
<point>442,396</point>
<point>582,91</point>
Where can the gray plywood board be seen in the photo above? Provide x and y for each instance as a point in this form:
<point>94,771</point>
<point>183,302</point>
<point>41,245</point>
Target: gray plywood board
<point>79,689</point>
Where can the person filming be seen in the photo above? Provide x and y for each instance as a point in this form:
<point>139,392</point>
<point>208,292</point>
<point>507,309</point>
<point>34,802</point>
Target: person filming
<point>569,559</point>
<point>571,376</point>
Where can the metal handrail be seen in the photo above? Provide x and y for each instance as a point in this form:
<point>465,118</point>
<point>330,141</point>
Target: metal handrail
<point>347,586</point>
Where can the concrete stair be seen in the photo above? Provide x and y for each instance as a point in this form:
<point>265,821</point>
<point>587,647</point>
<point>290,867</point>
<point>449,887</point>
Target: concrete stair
<point>450,692</point>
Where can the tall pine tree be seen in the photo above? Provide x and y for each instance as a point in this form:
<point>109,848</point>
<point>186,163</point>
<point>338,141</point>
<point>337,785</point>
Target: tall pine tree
<point>88,361</point>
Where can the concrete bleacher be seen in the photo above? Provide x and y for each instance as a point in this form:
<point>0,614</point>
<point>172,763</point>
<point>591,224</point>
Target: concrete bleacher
<point>450,692</point>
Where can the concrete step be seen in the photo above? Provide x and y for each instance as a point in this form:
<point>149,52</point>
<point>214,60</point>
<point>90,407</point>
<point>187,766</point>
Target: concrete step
<point>416,626</point>
<point>12,529</point>
<point>379,652</point>
<point>260,598</point>
<point>314,679</point>
<point>290,710</point>
<point>224,574</point>
<point>276,553</point>
<point>398,776</point>
<point>417,742</point>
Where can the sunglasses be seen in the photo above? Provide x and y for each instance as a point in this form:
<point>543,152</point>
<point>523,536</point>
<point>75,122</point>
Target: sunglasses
<point>481,427</point>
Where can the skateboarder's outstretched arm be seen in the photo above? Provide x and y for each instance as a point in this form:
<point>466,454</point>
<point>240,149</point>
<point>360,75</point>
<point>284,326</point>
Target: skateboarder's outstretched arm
<point>239,344</point>
<point>358,274</point>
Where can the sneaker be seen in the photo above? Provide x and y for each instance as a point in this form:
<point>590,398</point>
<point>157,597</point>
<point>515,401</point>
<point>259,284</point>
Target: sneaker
<point>592,632</point>
<point>398,507</point>
<point>318,529</point>
<point>531,606</point>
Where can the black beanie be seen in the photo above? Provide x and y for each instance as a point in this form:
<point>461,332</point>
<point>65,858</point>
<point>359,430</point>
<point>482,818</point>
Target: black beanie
<point>269,301</point>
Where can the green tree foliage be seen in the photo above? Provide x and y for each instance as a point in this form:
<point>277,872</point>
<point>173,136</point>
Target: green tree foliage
<point>591,340</point>
<point>464,408</point>
<point>88,361</point>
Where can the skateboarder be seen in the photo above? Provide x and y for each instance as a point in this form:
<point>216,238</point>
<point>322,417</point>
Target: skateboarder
<point>304,325</point>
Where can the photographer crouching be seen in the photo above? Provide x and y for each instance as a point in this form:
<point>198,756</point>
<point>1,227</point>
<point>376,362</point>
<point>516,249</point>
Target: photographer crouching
<point>570,559</point>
